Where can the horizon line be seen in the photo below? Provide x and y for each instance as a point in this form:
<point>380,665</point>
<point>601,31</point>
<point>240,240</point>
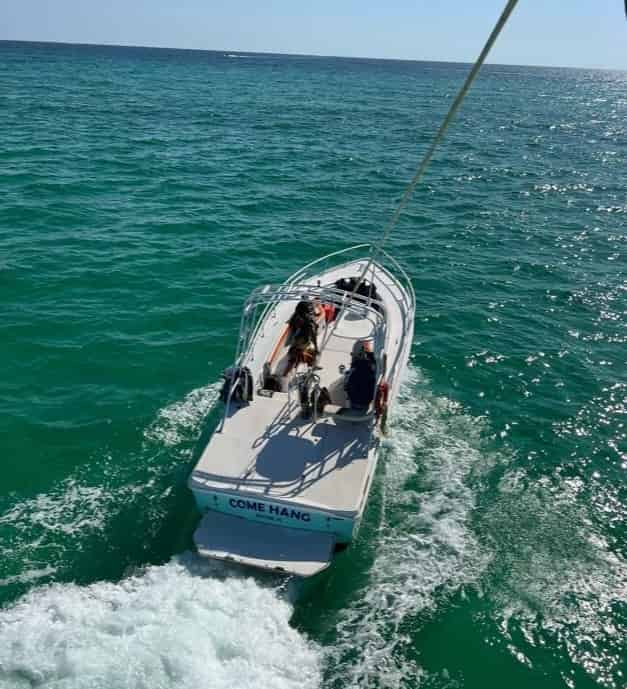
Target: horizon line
<point>307,55</point>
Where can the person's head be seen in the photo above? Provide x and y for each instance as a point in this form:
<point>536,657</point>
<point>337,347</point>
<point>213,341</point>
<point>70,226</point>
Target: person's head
<point>363,349</point>
<point>305,308</point>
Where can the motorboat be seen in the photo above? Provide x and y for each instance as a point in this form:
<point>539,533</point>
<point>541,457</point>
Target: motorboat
<point>283,482</point>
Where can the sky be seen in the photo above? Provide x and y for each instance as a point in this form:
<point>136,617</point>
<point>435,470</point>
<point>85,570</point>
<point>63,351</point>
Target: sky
<point>570,33</point>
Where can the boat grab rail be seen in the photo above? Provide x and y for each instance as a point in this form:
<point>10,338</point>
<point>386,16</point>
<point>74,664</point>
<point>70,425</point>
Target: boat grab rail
<point>408,283</point>
<point>271,295</point>
<point>405,279</point>
<point>303,271</point>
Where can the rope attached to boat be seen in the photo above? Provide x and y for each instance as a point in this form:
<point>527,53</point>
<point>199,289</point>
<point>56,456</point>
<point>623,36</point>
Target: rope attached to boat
<point>511,4</point>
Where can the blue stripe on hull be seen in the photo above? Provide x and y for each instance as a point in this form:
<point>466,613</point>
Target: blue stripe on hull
<point>277,513</point>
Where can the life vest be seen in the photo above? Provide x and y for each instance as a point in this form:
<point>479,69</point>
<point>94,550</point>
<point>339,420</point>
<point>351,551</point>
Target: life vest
<point>329,312</point>
<point>381,399</point>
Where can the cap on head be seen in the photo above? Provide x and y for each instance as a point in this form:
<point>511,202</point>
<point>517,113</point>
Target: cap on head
<point>363,348</point>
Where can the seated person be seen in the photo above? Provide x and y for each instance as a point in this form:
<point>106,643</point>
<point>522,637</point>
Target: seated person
<point>362,377</point>
<point>303,335</point>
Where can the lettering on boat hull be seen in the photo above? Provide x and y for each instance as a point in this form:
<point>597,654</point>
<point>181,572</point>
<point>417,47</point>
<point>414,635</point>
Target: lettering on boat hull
<point>262,507</point>
<point>279,514</point>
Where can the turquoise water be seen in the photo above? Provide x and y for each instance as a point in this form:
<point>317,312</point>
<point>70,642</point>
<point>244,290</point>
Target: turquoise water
<point>144,193</point>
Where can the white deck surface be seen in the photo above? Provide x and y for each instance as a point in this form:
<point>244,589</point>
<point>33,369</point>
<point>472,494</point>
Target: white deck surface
<point>322,464</point>
<point>266,449</point>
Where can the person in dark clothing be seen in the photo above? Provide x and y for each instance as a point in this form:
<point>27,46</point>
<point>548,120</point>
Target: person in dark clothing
<point>362,377</point>
<point>303,335</point>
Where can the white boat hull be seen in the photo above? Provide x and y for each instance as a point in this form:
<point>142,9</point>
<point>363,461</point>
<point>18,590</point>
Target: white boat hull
<point>268,465</point>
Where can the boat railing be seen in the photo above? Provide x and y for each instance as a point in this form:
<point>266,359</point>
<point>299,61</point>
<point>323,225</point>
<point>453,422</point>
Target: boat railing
<point>314,266</point>
<point>407,304</point>
<point>405,282</point>
<point>269,296</point>
<point>296,288</point>
<point>364,251</point>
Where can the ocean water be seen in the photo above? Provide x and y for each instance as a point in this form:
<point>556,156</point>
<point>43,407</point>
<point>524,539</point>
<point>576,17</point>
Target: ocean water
<point>143,194</point>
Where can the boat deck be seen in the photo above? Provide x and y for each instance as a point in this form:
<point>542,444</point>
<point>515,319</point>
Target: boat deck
<point>324,464</point>
<point>265,449</point>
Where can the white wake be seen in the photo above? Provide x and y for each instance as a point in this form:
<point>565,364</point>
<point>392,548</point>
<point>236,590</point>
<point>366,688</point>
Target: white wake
<point>173,626</point>
<point>426,544</point>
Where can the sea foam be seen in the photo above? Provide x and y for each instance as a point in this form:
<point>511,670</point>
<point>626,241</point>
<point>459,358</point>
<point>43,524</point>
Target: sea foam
<point>426,545</point>
<point>188,623</point>
<point>180,625</point>
<point>175,422</point>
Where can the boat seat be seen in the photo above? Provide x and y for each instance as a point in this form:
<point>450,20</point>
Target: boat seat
<point>353,415</point>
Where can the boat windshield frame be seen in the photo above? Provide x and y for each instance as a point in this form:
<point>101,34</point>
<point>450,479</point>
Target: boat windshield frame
<point>350,254</point>
<point>269,296</point>
<point>297,287</point>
